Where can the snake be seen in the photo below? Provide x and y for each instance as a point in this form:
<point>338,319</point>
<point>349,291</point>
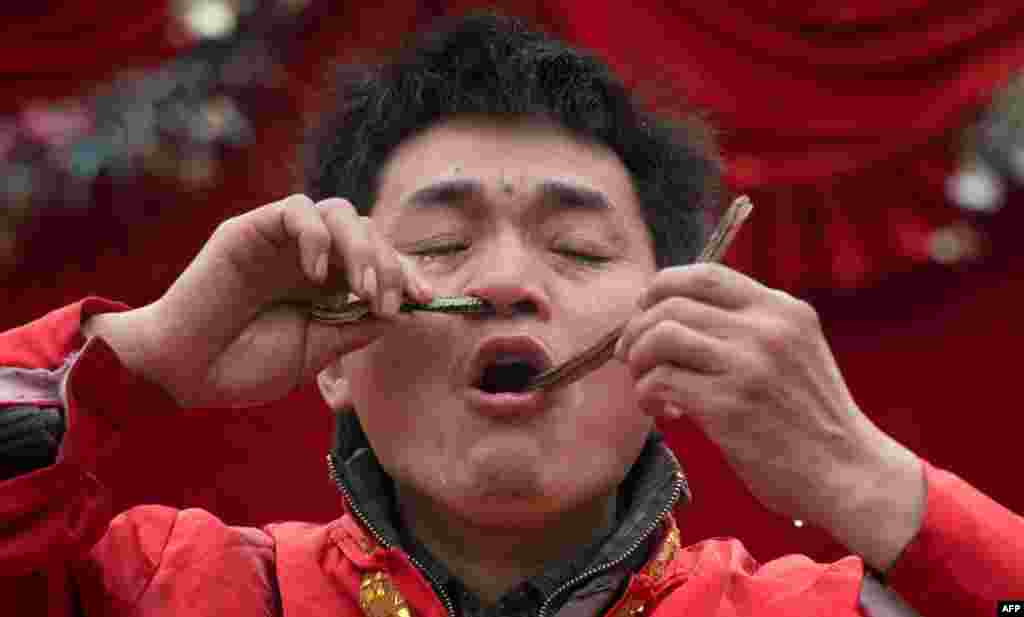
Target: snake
<point>337,309</point>
<point>332,310</point>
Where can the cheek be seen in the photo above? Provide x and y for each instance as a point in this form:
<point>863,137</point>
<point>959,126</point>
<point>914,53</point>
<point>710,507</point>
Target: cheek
<point>387,402</point>
<point>403,364</point>
<point>606,415</point>
<point>393,387</point>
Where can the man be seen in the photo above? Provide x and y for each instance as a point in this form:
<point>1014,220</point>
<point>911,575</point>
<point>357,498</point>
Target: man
<point>494,162</point>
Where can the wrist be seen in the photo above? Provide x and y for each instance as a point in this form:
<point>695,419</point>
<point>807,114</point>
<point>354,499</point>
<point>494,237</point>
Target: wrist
<point>131,334</point>
<point>883,506</point>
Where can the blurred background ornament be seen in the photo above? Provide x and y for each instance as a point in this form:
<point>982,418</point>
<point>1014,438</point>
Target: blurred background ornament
<point>976,187</point>
<point>175,121</point>
<point>992,162</point>
<point>958,243</point>
<point>1001,141</point>
<point>210,19</point>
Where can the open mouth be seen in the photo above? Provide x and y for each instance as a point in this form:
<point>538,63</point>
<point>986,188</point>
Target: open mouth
<point>507,375</point>
<point>506,364</point>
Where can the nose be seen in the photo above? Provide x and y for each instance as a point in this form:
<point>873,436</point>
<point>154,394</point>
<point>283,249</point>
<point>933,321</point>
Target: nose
<point>509,288</point>
<point>509,300</point>
<point>509,277</point>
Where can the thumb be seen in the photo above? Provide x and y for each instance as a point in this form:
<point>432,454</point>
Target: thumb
<point>327,342</point>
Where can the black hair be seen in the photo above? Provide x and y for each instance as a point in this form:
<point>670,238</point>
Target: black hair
<point>484,63</point>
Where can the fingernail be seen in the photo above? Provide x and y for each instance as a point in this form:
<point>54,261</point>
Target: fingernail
<point>369,283</point>
<point>618,349</point>
<point>321,268</point>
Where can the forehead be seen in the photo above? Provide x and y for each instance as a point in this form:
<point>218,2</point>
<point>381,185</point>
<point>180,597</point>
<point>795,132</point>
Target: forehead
<point>524,153</point>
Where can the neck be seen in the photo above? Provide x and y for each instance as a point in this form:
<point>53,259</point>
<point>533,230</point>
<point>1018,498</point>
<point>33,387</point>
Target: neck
<point>491,561</point>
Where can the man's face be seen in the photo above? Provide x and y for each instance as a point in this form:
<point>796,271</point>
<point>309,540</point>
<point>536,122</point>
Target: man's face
<point>561,269</point>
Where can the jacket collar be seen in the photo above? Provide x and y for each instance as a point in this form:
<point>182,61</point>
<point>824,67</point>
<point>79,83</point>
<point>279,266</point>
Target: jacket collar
<point>652,488</point>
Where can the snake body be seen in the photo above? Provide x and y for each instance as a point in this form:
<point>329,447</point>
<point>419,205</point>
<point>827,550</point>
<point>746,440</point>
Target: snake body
<point>337,309</point>
<point>331,312</point>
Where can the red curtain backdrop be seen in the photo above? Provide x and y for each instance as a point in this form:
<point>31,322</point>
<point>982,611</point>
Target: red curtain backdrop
<point>842,124</point>
<point>843,120</point>
<point>53,49</point>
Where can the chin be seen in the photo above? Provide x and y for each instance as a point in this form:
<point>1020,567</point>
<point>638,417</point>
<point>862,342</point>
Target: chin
<point>509,512</point>
<point>519,505</point>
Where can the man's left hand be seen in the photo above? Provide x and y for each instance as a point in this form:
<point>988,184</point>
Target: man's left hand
<point>750,365</point>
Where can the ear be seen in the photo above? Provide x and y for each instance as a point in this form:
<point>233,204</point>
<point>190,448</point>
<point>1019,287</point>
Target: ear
<point>334,386</point>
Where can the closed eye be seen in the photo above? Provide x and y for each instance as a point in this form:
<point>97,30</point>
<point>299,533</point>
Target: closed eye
<point>447,249</point>
<point>450,249</point>
<point>586,258</point>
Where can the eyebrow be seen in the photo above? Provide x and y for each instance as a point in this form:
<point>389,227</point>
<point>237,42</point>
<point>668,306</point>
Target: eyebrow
<point>450,193</point>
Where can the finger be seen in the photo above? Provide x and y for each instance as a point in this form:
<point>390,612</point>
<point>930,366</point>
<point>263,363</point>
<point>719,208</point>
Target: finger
<point>669,392</point>
<point>710,283</point>
<point>302,222</point>
<point>351,245</point>
<point>327,342</point>
<point>391,278</point>
<point>705,318</point>
<point>672,343</point>
<point>421,289</point>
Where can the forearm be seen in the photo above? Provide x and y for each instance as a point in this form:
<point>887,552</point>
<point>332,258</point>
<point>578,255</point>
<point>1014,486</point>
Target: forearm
<point>968,554</point>
<point>882,509</point>
<point>127,334</point>
<point>60,508</point>
<point>135,337</point>
<point>48,511</point>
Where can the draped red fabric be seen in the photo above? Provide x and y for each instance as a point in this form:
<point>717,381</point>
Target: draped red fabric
<point>54,49</point>
<point>841,122</point>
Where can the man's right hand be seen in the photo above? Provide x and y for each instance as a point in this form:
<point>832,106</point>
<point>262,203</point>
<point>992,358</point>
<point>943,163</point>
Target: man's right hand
<point>233,329</point>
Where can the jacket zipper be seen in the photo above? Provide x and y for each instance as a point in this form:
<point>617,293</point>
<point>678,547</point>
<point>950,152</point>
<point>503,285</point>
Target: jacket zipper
<point>677,490</point>
<point>333,470</point>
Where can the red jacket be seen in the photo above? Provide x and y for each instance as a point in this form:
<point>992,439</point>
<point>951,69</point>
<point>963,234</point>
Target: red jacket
<point>62,549</point>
